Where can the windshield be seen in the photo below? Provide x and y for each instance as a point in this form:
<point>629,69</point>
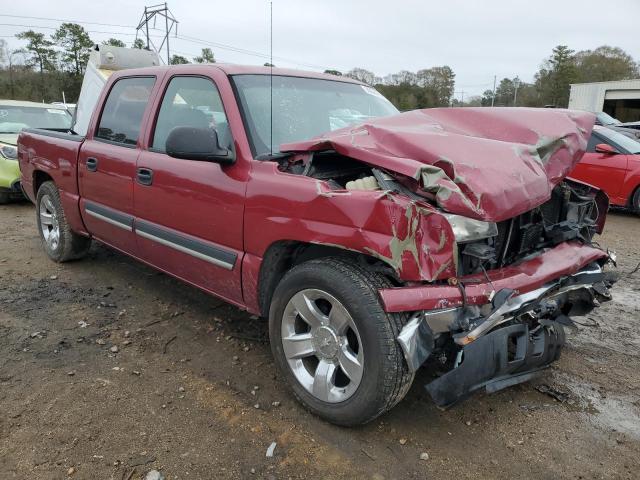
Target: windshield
<point>606,119</point>
<point>303,108</point>
<point>627,143</point>
<point>14,118</point>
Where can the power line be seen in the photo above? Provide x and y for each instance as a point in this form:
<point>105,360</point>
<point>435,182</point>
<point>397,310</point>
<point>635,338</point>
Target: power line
<point>186,38</point>
<point>55,28</point>
<point>68,21</point>
<point>246,51</point>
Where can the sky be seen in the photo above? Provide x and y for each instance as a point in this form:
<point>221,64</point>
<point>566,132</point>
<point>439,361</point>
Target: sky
<point>477,39</point>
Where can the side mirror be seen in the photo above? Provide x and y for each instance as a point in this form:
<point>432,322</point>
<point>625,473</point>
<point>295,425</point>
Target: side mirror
<point>201,144</point>
<point>606,149</point>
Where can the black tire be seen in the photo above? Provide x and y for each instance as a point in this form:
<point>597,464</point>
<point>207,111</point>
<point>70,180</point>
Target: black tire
<point>635,201</point>
<point>70,246</point>
<point>386,378</point>
<point>4,198</point>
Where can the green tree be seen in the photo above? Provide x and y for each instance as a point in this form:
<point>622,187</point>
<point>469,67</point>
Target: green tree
<point>438,84</point>
<point>338,73</point>
<point>139,43</point>
<point>178,60</point>
<point>555,76</point>
<point>206,57</point>
<point>605,64</point>
<point>114,42</point>
<point>76,44</point>
<point>39,50</point>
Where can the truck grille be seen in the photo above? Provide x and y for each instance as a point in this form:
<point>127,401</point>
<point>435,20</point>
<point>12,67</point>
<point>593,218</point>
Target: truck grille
<point>568,215</point>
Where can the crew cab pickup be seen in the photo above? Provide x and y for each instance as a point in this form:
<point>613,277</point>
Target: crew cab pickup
<point>373,241</point>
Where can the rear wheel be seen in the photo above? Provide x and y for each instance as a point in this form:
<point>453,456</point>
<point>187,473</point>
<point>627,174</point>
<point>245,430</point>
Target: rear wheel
<point>58,240</point>
<point>335,344</point>
<point>635,201</point>
<point>4,198</point>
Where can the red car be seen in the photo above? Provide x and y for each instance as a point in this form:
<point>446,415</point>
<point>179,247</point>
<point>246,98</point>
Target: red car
<point>612,163</point>
<point>372,240</point>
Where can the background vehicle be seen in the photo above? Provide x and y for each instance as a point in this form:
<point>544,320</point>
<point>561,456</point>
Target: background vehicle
<point>627,129</point>
<point>366,250</point>
<point>14,116</point>
<point>612,163</point>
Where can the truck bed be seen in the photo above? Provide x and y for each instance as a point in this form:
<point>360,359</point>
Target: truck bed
<point>46,154</point>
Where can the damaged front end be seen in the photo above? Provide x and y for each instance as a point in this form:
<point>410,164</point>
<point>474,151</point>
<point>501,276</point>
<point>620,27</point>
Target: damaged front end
<point>516,291</point>
<point>490,246</point>
<point>506,341</point>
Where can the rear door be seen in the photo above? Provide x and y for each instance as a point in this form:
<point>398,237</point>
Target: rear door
<point>189,214</point>
<point>107,163</point>
<point>602,170</point>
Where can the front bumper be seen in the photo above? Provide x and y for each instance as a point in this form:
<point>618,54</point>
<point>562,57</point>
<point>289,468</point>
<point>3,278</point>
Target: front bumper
<point>9,174</point>
<point>565,259</point>
<point>509,339</point>
<point>505,357</point>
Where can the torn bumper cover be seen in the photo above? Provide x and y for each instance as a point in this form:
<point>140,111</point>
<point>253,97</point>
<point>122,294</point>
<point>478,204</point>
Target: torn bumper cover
<point>505,357</point>
<point>508,340</point>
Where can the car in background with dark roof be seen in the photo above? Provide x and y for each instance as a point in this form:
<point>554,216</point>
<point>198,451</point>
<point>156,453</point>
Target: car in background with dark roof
<point>631,129</point>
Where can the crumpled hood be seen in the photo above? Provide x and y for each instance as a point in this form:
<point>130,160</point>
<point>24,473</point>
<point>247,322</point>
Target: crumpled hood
<point>486,163</point>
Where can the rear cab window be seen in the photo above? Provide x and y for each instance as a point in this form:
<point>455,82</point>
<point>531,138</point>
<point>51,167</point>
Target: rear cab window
<point>191,101</point>
<point>123,110</point>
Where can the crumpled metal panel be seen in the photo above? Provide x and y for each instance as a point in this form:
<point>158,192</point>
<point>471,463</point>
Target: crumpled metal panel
<point>416,341</point>
<point>408,235</point>
<point>564,259</point>
<point>485,163</point>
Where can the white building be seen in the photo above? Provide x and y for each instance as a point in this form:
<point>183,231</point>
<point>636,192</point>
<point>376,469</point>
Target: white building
<point>620,99</point>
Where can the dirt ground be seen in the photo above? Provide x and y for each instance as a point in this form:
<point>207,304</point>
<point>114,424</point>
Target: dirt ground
<point>109,369</point>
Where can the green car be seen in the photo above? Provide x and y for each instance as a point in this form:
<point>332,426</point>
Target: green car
<point>14,116</point>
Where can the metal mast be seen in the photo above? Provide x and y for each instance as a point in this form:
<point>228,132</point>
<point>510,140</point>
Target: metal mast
<point>170,25</point>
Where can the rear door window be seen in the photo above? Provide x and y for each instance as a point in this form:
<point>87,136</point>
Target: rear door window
<point>122,114</point>
<point>191,102</point>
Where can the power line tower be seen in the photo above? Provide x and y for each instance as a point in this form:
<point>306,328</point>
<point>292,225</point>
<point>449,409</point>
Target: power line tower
<point>150,15</point>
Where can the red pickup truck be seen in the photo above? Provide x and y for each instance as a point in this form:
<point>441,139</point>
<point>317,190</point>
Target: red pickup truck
<point>372,240</point>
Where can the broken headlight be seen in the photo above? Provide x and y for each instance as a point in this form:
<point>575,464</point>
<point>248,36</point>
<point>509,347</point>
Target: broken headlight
<point>468,229</point>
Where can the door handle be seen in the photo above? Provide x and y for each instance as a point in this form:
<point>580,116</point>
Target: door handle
<point>144,176</point>
<point>92,164</point>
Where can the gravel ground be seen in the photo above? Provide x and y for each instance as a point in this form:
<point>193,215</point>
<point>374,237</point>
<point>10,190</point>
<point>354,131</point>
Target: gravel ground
<point>109,369</point>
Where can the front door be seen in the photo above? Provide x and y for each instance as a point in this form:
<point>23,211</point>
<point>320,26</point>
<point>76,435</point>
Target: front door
<point>189,213</point>
<point>107,164</point>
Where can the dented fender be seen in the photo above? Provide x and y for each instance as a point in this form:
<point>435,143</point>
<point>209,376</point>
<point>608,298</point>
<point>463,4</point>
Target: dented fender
<point>408,235</point>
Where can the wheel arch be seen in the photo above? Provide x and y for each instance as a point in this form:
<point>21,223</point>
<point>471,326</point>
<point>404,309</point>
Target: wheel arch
<point>283,255</point>
<point>39,177</point>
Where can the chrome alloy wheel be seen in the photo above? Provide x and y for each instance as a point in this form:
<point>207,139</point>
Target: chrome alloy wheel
<point>322,345</point>
<point>49,223</point>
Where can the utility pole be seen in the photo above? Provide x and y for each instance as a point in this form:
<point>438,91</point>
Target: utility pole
<point>170,24</point>
<point>493,97</point>
<point>516,84</point>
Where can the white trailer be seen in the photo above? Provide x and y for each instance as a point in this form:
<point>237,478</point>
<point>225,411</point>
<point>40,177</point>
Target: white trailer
<point>103,61</point>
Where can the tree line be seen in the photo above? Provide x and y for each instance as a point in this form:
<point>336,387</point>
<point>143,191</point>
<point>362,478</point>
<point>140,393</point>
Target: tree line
<point>435,87</point>
<point>47,66</point>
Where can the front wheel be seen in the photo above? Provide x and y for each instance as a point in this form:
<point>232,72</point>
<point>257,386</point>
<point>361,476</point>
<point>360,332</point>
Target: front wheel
<point>58,240</point>
<point>335,344</point>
